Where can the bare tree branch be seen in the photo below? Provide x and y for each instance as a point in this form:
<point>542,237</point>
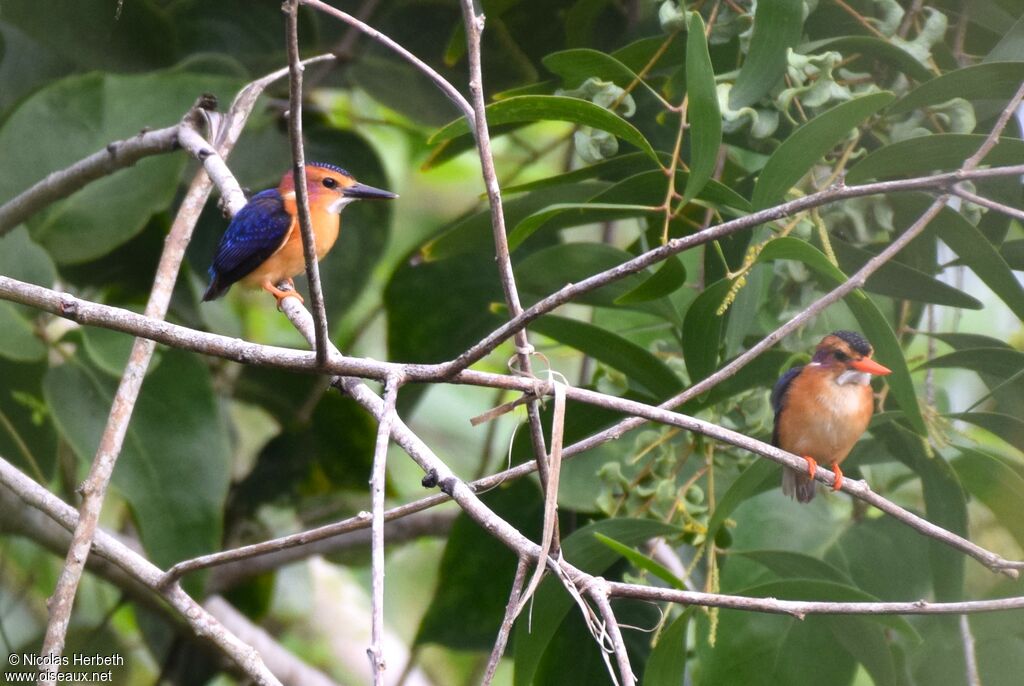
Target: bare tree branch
<point>295,68</point>
<point>970,655</point>
<point>380,459</point>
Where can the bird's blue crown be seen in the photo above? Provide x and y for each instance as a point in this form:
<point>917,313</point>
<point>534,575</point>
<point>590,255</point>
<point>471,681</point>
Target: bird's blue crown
<point>332,167</point>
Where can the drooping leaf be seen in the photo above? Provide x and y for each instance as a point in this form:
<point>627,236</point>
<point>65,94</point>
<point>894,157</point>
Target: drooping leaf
<point>989,80</point>
<point>579,64</point>
<point>939,151</point>
<point>531,108</point>
<point>670,276</point>
<point>806,145</point>
<point>994,483</point>
<point>705,117</point>
<point>777,28</point>
<point>702,331</point>
<point>1006,427</point>
<point>667,663</point>
<point>641,561</point>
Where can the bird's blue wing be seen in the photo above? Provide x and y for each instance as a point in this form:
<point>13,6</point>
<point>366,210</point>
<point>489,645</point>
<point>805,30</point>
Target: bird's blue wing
<point>779,397</point>
<point>255,233</point>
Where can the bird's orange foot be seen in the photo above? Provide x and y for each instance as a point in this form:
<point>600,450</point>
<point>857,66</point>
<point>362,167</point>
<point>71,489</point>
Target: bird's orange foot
<point>839,477</point>
<point>812,466</point>
<point>282,294</point>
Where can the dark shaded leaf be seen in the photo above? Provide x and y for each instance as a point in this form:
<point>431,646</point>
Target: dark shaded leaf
<point>807,144</point>
<point>667,664</point>
<point>979,81</point>
<point>615,169</point>
<point>702,331</point>
<point>996,484</point>
<point>705,117</point>
<point>939,151</point>
<point>669,277</point>
<point>777,27</point>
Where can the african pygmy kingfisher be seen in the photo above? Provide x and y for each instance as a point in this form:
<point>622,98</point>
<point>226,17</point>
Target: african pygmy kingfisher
<point>822,408</point>
<point>263,244</point>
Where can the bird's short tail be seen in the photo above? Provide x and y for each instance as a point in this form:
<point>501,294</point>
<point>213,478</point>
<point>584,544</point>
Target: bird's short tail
<point>216,288</point>
<point>798,485</point>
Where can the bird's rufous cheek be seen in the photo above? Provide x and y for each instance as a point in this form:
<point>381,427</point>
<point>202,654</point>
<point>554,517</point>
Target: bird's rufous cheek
<point>870,366</point>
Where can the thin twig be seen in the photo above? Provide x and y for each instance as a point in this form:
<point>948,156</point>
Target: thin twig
<point>990,204</point>
<point>505,630</point>
<point>295,69</point>
<point>380,454</point>
<point>970,655</point>
<point>599,592</point>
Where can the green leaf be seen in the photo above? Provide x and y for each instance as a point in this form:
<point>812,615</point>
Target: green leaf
<point>667,664</point>
<point>80,115</point>
<point>614,169</point>
<point>579,64</point>
<point>702,331</point>
<point>705,117</point>
<point>1000,363</point>
<point>872,321</point>
<point>22,259</point>
<point>109,350</point>
<point>994,483</point>
<point>1013,253</point>
<point>174,466</point>
<point>925,154</point>
<point>761,475</point>
<point>1006,427</point>
<point>640,365</point>
<point>18,339</point>
<point>531,108</point>
<point>641,561</point>
<point>995,80</point>
<point>807,144</point>
<point>669,277</point>
<point>787,563</point>
<point>551,602</point>
<point>574,214</point>
<point>897,280</point>
<point>777,28</point>
<point>872,48</point>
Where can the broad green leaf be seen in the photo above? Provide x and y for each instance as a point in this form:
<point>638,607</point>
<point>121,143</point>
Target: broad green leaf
<point>1001,363</point>
<point>961,341</point>
<point>637,363</point>
<point>702,331</point>
<point>882,556</point>
<point>579,64</point>
<point>575,214</point>
<point>705,117</point>
<point>1006,427</point>
<point>531,108</point>
<point>669,277</point>
<point>24,260</point>
<point>807,144</point>
<point>615,169</point>
<point>872,321</point>
<point>28,438</point>
<point>667,664</point>
<point>109,350</point>
<point>474,233</point>
<point>897,280</point>
<point>1011,46</point>
<point>552,602</point>
<point>980,81</point>
<point>80,115</point>
<point>641,561</point>
<point>875,49</point>
<point>760,475</point>
<point>477,571</point>
<point>777,28</point>
<point>1013,253</point>
<point>18,339</point>
<point>924,154</point>
<point>994,483</point>
<point>175,463</point>
<point>788,563</point>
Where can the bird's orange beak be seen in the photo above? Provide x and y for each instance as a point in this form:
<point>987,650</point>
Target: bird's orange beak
<point>870,366</point>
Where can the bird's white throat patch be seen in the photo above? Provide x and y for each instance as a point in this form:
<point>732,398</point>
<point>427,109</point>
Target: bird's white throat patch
<point>338,205</point>
<point>852,376</point>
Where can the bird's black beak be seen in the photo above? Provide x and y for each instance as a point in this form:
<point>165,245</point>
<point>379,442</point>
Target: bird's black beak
<point>360,191</point>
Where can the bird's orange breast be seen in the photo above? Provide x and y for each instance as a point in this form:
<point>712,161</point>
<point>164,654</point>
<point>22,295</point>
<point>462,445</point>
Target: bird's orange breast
<point>823,419</point>
<point>289,259</point>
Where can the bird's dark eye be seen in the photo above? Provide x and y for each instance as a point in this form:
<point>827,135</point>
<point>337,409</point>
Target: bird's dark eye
<point>330,183</point>
<point>841,356</point>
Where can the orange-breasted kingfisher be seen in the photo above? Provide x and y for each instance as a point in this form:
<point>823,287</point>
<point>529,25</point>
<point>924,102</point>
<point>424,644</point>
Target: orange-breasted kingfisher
<point>263,244</point>
<point>822,408</point>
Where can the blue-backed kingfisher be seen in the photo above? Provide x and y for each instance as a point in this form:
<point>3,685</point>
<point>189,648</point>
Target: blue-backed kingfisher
<point>263,244</point>
<point>822,408</point>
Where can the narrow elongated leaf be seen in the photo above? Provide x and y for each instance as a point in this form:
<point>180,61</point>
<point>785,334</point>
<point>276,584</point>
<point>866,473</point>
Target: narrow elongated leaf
<point>777,27</point>
<point>671,275</point>
<point>870,318</point>
<point>872,48</point>
<point>760,476</point>
<point>989,80</point>
<point>575,214</point>
<point>705,117</point>
<point>897,280</point>
<point>641,561</point>
<point>531,108</point>
<point>615,169</point>
<point>579,64</point>
<point>996,484</point>
<point>1000,363</point>
<point>809,143</point>
<point>1013,253</point>
<point>640,365</point>
<point>1006,427</point>
<point>939,151</point>
<point>667,664</point>
<point>702,331</point>
<point>552,602</point>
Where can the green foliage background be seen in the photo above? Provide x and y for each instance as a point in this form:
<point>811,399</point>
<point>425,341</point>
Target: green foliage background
<point>781,100</point>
